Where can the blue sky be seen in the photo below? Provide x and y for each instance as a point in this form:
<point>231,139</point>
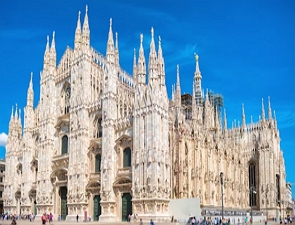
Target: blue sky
<point>246,50</point>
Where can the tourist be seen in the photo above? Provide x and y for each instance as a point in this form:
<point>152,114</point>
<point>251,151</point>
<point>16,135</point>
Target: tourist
<point>44,218</point>
<point>77,218</point>
<point>140,222</point>
<point>13,222</point>
<point>152,222</point>
<point>50,218</point>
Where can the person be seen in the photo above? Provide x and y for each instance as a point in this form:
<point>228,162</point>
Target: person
<point>13,222</point>
<point>140,222</point>
<point>193,221</point>
<point>77,217</point>
<point>43,218</point>
<point>152,222</point>
<point>50,218</point>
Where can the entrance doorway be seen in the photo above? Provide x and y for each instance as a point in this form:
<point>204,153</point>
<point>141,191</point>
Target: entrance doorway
<point>126,206</point>
<point>96,207</point>
<point>63,203</point>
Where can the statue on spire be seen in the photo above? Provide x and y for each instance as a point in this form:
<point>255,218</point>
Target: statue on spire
<point>196,57</point>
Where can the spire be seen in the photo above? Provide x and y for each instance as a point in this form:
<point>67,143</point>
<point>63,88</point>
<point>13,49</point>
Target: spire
<point>15,114</point>
<point>194,106</point>
<point>30,94</point>
<point>269,109</point>
<point>78,33</point>
<point>262,111</point>
<point>46,54</point>
<point>198,82</point>
<point>86,31</point>
<point>217,121</point>
<point>243,117</point>
<point>161,64</point>
<point>178,89</point>
<point>224,120</point>
<point>152,59</point>
<point>141,66</point>
<point>53,51</point>
<point>134,63</point>
<point>110,46</point>
<point>117,50</point>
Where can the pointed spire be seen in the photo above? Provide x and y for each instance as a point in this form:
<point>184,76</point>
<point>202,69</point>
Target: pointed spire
<point>269,109</point>
<point>110,46</point>
<point>16,115</point>
<point>117,50</point>
<point>11,117</point>
<point>172,92</point>
<point>152,59</point>
<point>177,76</point>
<point>46,54</point>
<point>262,111</point>
<point>53,51</point>
<point>78,33</point>
<point>243,117</point>
<point>178,89</point>
<point>31,81</point>
<point>141,66</point>
<point>198,82</point>
<point>134,63</point>
<point>30,93</point>
<point>19,114</point>
<point>86,31</point>
<point>47,44</point>
<point>161,64</point>
<point>224,120</point>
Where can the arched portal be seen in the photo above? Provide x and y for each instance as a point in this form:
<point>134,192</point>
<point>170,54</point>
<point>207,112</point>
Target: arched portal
<point>126,206</point>
<point>96,207</point>
<point>63,191</point>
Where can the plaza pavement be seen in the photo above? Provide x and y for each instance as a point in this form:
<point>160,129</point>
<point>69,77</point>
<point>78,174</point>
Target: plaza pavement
<point>27,222</point>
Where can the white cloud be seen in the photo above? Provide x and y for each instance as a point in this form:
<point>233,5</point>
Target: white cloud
<point>3,139</point>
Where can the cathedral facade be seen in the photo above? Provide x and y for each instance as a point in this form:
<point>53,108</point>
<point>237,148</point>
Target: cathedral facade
<point>107,144</point>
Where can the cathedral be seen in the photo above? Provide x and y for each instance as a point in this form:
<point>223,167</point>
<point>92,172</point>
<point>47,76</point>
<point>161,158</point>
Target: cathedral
<point>104,143</point>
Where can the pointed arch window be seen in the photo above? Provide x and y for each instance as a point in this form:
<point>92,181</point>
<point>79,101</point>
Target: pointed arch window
<point>252,183</point>
<point>99,128</point>
<point>278,188</point>
<point>127,157</point>
<point>67,99</point>
<point>97,163</point>
<point>64,144</point>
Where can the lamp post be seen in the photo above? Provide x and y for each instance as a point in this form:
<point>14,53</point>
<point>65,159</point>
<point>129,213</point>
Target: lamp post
<point>221,184</point>
<point>252,191</point>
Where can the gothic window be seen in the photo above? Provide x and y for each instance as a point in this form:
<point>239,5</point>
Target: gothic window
<point>97,163</point>
<point>127,157</point>
<point>278,188</point>
<point>99,128</point>
<point>252,184</point>
<point>67,99</point>
<point>64,144</point>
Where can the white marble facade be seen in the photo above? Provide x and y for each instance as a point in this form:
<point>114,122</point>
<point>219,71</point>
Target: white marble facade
<point>100,136</point>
